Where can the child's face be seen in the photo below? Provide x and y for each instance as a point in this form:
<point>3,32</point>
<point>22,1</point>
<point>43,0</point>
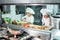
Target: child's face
<point>45,16</point>
<point>28,14</point>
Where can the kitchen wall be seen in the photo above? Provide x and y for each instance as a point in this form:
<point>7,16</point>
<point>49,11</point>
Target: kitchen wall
<point>54,8</point>
<point>12,14</point>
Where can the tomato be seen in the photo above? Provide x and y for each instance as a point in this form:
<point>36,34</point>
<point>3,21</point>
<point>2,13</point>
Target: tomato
<point>26,25</point>
<point>36,26</point>
<point>43,27</point>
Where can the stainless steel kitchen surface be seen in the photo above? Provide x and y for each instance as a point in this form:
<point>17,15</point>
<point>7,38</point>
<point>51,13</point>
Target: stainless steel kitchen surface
<point>28,1</point>
<point>0,18</point>
<point>11,21</point>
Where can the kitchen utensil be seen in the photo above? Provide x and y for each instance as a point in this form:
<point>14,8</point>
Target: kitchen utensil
<point>30,38</point>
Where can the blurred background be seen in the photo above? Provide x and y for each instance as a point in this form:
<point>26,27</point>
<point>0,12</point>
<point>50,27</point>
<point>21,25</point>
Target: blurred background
<point>18,11</point>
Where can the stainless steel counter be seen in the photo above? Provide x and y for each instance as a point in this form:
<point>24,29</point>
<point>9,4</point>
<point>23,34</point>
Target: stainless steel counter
<point>25,29</point>
<point>30,31</point>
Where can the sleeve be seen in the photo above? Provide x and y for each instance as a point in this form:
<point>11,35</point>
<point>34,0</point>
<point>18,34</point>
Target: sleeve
<point>32,20</point>
<point>42,21</point>
<point>24,18</point>
<point>52,22</point>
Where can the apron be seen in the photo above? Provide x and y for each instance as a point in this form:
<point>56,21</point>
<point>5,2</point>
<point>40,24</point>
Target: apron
<point>46,22</point>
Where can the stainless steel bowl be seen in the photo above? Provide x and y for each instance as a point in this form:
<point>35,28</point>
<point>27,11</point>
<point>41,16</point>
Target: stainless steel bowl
<point>30,38</point>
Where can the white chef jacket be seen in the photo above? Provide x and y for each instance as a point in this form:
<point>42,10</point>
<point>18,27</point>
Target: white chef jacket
<point>47,22</point>
<point>29,19</point>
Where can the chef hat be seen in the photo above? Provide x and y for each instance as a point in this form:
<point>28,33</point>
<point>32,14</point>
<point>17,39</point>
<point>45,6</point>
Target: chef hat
<point>30,10</point>
<point>45,12</point>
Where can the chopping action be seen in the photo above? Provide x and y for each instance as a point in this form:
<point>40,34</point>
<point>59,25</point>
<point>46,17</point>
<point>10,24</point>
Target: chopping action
<point>29,17</point>
<point>46,18</point>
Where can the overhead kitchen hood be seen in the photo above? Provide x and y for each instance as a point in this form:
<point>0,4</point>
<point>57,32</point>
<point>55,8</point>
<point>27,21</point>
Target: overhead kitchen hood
<point>28,1</point>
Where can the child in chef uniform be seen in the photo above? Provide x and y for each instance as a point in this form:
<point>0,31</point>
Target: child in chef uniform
<point>29,17</point>
<point>46,19</point>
